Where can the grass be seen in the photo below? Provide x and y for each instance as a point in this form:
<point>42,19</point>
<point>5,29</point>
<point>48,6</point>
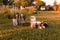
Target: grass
<point>9,32</point>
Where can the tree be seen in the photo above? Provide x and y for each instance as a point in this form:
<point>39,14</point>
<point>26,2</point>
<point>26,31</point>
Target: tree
<point>0,2</point>
<point>7,2</point>
<point>22,2</point>
<point>39,3</point>
<point>10,2</point>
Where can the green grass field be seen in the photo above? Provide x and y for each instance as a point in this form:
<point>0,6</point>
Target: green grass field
<point>9,32</point>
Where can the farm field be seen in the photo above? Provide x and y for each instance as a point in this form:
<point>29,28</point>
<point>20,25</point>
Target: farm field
<point>9,32</point>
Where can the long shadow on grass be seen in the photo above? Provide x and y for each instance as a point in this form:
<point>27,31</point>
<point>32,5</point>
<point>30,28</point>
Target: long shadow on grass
<point>26,24</point>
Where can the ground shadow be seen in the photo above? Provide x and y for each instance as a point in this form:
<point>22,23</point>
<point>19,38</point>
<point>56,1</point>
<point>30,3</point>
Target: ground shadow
<point>26,24</point>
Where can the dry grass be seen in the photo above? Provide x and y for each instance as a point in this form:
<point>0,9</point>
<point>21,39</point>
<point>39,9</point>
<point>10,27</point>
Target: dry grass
<point>55,16</point>
<point>8,32</point>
